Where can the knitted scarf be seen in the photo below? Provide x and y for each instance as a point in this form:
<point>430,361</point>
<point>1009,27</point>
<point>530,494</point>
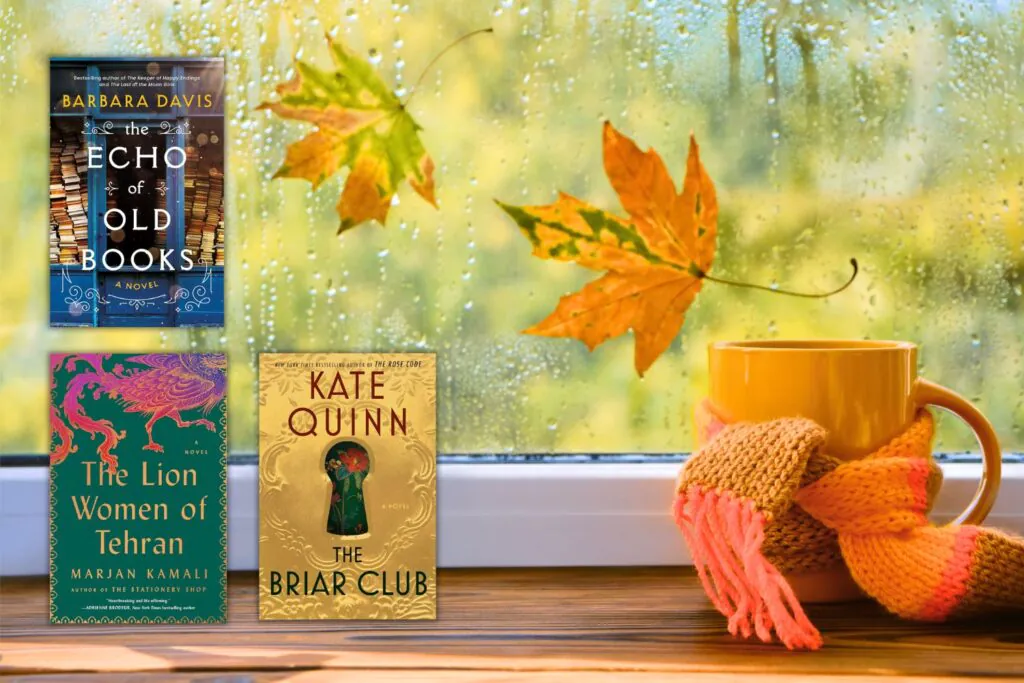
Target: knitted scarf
<point>760,500</point>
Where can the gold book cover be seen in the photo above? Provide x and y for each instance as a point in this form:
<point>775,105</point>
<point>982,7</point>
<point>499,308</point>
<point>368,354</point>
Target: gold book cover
<point>348,473</point>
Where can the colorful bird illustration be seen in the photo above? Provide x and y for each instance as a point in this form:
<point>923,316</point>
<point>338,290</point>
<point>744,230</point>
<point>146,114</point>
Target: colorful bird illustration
<point>171,384</point>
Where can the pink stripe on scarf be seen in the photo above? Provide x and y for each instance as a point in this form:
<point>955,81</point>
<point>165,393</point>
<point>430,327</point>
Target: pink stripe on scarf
<point>955,576</point>
<point>725,534</point>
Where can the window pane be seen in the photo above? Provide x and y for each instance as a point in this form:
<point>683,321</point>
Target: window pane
<point>889,133</point>
<point>120,195</point>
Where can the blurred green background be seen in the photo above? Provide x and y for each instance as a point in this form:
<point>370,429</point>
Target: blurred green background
<point>893,132</point>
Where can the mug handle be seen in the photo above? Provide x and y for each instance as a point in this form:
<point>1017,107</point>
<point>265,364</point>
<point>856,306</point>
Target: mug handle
<point>930,393</point>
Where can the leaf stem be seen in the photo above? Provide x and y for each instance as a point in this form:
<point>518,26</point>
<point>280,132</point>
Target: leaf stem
<point>426,69</point>
<point>787,292</point>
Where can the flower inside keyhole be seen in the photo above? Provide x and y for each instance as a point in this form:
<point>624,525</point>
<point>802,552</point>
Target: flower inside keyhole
<point>355,460</point>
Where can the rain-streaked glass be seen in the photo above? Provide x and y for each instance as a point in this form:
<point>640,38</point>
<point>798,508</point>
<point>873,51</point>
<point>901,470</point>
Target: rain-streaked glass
<point>888,131</point>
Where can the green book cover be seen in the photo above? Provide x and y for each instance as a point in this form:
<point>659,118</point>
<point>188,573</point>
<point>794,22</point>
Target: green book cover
<point>138,488</point>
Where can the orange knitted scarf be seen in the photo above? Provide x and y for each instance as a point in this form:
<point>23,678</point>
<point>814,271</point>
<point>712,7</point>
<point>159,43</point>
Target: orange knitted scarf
<point>761,499</point>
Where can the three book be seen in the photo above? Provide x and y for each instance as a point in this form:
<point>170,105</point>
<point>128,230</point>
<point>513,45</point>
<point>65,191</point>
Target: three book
<point>138,485</point>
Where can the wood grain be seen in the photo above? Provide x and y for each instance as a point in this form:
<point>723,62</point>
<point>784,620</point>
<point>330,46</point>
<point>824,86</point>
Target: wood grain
<point>505,625</point>
<point>452,676</point>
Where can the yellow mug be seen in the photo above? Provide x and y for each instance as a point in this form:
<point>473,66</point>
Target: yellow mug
<point>863,392</point>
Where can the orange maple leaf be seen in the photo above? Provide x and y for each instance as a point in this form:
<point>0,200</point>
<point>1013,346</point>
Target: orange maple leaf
<point>656,259</point>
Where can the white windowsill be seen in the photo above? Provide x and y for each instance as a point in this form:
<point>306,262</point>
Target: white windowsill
<point>495,514</point>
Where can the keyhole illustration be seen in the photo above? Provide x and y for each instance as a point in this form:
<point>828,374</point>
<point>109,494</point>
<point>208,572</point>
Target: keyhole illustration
<point>347,465</point>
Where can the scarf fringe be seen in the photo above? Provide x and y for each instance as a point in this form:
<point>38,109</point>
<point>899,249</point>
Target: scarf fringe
<point>725,534</point>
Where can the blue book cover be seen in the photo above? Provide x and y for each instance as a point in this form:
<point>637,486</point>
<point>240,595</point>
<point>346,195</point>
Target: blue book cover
<point>136,236</point>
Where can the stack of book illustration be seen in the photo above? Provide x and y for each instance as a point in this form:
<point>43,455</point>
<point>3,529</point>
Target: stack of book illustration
<point>214,187</point>
<point>218,253</point>
<point>192,237</point>
<point>69,197</point>
<point>204,210</point>
<point>160,236</point>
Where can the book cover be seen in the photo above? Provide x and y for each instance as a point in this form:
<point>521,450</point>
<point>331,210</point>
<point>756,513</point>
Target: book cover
<point>347,486</point>
<point>138,488</point>
<point>136,187</point>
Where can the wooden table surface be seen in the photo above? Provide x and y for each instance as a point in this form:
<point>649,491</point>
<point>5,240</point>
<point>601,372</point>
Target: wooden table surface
<point>557,625</point>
